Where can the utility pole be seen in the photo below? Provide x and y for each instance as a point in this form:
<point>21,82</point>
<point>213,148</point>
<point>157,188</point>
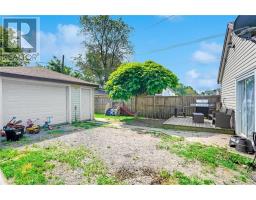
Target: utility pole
<point>62,63</point>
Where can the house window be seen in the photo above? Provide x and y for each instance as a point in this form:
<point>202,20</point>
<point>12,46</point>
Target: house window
<point>246,106</point>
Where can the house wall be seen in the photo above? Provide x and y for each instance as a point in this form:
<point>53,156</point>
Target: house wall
<point>240,60</point>
<point>168,92</point>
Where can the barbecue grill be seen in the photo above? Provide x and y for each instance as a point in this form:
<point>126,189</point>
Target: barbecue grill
<point>202,106</point>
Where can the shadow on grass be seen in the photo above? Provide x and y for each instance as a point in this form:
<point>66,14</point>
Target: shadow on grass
<point>58,131</point>
<point>89,124</point>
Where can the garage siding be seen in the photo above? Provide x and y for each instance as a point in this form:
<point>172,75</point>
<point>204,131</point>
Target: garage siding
<point>27,99</point>
<point>240,60</point>
<point>32,100</point>
<point>86,105</point>
<point>75,103</point>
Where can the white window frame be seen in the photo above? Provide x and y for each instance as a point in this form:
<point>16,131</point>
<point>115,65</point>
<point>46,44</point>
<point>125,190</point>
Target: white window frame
<point>240,78</point>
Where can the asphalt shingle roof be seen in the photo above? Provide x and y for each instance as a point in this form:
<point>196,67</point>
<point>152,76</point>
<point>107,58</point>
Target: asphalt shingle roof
<point>41,74</point>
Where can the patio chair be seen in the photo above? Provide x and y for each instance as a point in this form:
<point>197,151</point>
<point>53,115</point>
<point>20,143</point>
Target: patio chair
<point>178,112</point>
<point>222,119</point>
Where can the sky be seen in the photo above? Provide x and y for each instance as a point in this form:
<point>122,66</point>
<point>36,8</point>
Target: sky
<point>195,64</point>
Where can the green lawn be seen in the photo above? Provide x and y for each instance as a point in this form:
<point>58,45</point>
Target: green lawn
<point>31,165</point>
<point>88,124</point>
<point>114,118</point>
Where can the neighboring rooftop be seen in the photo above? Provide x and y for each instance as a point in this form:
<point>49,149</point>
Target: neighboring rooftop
<point>43,74</point>
<point>100,91</point>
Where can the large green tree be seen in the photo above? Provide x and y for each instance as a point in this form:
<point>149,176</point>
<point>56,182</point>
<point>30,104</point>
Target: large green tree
<point>107,45</point>
<point>11,55</point>
<point>134,79</point>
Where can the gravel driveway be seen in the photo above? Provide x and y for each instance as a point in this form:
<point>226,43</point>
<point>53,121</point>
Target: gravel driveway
<point>134,158</point>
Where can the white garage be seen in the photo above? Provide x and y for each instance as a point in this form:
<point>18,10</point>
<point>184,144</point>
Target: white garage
<point>38,93</point>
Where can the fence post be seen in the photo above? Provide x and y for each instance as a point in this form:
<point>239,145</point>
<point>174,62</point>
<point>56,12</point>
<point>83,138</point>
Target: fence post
<point>154,114</point>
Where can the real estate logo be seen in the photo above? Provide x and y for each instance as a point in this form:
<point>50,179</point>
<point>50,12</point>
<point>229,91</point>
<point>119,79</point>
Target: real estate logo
<point>22,33</point>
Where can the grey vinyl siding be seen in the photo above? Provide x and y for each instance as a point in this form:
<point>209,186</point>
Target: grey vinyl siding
<point>240,60</point>
<point>75,102</point>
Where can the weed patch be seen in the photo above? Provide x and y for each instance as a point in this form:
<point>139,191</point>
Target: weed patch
<point>88,124</point>
<point>209,155</point>
<point>57,131</point>
<point>24,167</point>
<point>180,178</point>
<point>106,180</point>
<point>30,166</point>
<point>116,118</point>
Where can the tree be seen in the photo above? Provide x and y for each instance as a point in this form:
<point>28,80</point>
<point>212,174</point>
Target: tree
<point>134,79</point>
<point>183,90</point>
<point>55,64</point>
<point>107,46</point>
<point>11,55</point>
<point>211,92</point>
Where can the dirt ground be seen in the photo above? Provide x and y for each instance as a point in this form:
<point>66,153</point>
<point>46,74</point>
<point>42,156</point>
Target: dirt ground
<point>202,137</point>
<point>133,157</point>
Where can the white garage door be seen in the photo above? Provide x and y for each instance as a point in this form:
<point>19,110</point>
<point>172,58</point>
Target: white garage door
<point>85,104</point>
<point>32,100</point>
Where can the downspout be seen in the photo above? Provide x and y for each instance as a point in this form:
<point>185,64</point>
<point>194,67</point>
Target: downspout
<point>1,103</point>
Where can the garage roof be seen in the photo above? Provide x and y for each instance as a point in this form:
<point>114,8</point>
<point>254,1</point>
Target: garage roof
<point>42,74</point>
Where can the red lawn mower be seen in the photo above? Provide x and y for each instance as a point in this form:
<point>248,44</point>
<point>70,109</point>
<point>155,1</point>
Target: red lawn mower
<point>13,130</point>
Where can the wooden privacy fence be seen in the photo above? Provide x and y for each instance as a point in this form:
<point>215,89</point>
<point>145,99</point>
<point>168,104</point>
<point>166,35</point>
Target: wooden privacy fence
<point>156,106</point>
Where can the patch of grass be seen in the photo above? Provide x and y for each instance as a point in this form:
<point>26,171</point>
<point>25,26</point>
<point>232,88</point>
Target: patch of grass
<point>155,133</point>
<point>180,178</point>
<point>24,167</point>
<point>115,118</point>
<point>106,180</point>
<point>57,131</point>
<point>243,176</point>
<point>185,180</point>
<point>197,129</point>
<point>88,124</point>
<point>210,155</point>
<point>23,140</point>
<point>158,123</point>
<point>96,170</point>
<point>164,174</point>
<point>29,166</point>
<point>71,156</point>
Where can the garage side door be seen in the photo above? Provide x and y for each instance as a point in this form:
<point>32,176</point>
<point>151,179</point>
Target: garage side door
<point>34,100</point>
<point>86,106</point>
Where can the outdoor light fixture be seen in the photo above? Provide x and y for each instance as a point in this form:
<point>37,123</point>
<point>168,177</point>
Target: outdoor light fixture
<point>231,45</point>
